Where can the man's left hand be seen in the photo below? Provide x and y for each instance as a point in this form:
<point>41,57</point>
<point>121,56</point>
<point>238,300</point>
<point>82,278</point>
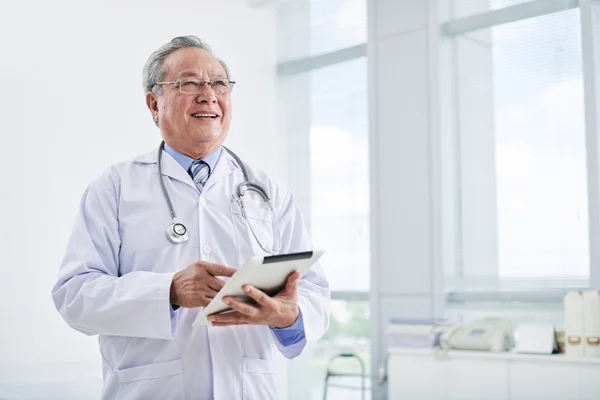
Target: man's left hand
<point>279,311</point>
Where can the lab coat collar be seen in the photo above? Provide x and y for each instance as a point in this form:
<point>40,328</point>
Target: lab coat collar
<point>226,165</point>
<point>171,168</point>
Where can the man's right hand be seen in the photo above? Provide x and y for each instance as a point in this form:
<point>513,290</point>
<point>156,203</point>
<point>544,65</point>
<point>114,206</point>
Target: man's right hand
<point>198,284</point>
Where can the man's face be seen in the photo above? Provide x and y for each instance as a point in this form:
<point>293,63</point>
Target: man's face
<point>178,114</point>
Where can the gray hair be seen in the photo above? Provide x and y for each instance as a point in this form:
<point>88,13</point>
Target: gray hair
<point>153,70</point>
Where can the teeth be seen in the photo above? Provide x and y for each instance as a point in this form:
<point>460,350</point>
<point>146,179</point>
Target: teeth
<point>204,115</point>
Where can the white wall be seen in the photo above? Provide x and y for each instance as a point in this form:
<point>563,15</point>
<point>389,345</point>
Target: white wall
<point>71,103</point>
<point>406,188</point>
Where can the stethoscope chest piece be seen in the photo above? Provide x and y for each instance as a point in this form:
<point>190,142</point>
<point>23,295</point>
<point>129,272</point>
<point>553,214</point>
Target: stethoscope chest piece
<point>177,233</point>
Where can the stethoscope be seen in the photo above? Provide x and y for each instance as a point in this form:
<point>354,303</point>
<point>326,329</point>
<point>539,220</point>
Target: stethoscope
<point>177,232</point>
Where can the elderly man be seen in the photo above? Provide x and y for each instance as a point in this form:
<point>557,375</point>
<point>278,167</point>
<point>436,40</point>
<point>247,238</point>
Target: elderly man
<point>140,290</point>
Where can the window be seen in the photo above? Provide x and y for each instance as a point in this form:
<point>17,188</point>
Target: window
<point>314,27</point>
<point>339,209</point>
<point>323,93</point>
<point>339,172</point>
<point>468,8</point>
<point>540,148</point>
<point>520,171</point>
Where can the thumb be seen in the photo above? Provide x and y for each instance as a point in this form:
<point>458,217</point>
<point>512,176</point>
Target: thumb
<point>292,284</point>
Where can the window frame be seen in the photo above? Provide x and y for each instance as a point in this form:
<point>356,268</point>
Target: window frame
<point>308,64</point>
<point>287,71</point>
<point>590,36</point>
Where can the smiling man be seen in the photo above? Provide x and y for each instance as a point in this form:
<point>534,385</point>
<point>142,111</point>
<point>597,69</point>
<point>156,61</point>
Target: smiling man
<point>140,290</point>
<point>196,125</point>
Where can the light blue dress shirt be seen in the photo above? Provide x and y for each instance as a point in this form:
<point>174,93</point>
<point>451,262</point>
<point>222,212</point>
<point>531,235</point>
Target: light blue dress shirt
<point>287,336</point>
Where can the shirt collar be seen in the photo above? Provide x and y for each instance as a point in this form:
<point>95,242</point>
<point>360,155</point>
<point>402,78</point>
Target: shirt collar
<point>186,162</point>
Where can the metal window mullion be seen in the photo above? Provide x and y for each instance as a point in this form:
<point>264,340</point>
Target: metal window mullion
<point>459,266</point>
<point>347,295</point>
<point>591,64</point>
<point>506,15</point>
<point>528,296</point>
<point>323,60</point>
<point>376,324</point>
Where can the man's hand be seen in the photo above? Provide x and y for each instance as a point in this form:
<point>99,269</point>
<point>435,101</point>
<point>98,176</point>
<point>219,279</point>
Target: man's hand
<point>196,285</point>
<point>279,311</point>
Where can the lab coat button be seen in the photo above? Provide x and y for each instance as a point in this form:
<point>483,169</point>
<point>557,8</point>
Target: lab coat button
<point>206,249</point>
<point>202,201</point>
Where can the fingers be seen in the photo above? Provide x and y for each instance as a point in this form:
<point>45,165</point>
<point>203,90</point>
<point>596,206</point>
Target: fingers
<point>241,307</point>
<point>258,295</point>
<point>219,270</point>
<point>231,318</point>
<point>236,319</point>
<point>215,283</point>
<point>206,301</point>
<point>210,293</point>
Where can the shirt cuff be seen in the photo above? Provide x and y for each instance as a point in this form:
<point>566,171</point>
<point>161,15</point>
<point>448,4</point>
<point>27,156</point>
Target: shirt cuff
<point>173,319</point>
<point>292,334</point>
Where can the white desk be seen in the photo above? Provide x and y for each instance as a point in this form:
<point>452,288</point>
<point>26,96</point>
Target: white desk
<point>464,375</point>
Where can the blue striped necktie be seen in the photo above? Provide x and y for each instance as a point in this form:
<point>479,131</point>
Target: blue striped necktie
<point>199,172</point>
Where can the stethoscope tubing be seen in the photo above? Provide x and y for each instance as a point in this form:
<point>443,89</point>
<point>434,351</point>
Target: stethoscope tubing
<point>177,232</point>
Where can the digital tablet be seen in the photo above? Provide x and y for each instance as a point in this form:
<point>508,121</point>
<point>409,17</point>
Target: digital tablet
<point>268,274</point>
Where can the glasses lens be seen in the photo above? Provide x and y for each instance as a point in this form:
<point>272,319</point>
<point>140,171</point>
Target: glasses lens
<point>221,86</point>
<point>195,87</point>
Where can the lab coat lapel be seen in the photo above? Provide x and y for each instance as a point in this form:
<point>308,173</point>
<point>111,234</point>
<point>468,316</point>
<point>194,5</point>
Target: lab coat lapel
<point>224,167</point>
<point>174,170</point>
<point>170,167</point>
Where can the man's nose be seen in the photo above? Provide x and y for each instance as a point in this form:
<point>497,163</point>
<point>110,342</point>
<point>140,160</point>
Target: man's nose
<point>207,94</point>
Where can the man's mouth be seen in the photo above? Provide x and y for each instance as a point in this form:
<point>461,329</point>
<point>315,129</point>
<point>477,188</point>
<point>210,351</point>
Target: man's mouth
<point>204,115</point>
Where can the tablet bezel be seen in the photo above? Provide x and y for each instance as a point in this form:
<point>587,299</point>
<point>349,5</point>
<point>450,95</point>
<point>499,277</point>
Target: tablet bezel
<point>259,272</point>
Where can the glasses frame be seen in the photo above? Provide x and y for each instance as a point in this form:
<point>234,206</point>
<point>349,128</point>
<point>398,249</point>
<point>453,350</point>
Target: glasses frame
<point>202,83</point>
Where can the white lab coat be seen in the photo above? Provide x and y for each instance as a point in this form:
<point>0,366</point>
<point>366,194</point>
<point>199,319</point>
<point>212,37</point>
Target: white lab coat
<point>117,271</point>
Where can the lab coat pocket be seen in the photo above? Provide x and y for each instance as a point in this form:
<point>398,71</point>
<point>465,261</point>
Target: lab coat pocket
<point>256,227</point>
<point>163,380</point>
<point>258,381</point>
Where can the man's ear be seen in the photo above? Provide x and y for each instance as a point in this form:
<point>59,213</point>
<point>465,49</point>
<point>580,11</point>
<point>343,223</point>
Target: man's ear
<point>152,103</point>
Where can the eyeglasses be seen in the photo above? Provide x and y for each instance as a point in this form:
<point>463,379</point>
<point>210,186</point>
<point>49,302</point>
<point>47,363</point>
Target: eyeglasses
<point>190,86</point>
